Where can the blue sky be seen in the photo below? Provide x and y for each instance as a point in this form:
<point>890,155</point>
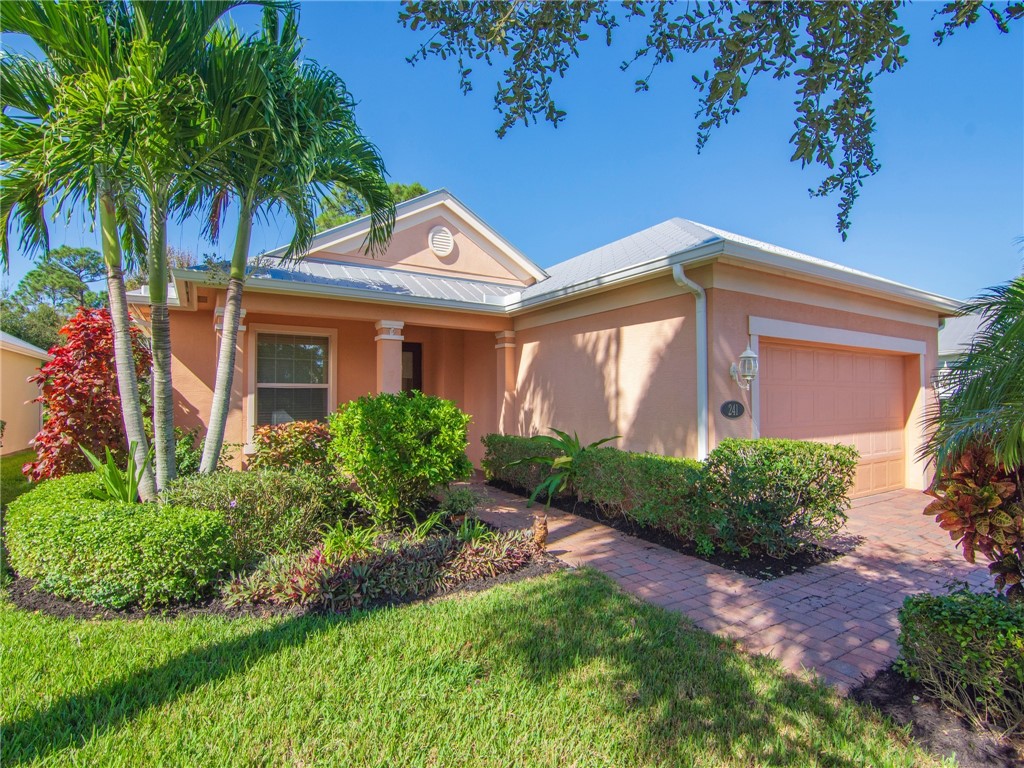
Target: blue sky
<point>941,215</point>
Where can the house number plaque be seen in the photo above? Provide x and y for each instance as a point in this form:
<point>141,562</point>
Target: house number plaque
<point>732,409</point>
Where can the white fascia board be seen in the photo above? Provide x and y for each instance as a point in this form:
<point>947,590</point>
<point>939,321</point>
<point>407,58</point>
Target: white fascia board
<point>609,280</point>
<point>879,286</point>
<point>24,348</point>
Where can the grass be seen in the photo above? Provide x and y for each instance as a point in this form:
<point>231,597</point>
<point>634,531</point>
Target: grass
<point>12,482</point>
<point>565,670</point>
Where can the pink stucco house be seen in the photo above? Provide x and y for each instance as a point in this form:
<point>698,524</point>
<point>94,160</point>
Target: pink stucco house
<point>637,338</point>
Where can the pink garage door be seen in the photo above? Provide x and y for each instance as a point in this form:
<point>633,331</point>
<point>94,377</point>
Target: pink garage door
<point>838,396</point>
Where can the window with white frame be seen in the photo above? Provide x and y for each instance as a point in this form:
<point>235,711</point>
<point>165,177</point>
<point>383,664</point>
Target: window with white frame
<point>292,378</point>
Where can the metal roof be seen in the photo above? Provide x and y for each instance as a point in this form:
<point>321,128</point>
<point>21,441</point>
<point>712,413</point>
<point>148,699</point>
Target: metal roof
<point>387,282</point>
<point>633,257</point>
<point>14,344</point>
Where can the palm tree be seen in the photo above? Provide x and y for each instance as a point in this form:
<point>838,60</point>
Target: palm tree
<point>167,162</point>
<point>986,386</point>
<point>297,139</point>
<point>64,119</point>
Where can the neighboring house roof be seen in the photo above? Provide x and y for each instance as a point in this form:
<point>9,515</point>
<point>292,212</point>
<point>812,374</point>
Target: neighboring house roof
<point>956,335</point>
<point>14,344</point>
<point>636,257</point>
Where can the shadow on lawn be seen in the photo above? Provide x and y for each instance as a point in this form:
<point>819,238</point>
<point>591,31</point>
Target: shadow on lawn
<point>692,697</point>
<point>73,720</point>
<point>694,689</point>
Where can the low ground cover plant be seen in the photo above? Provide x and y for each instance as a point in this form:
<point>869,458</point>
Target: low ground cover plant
<point>338,579</point>
<point>111,553</point>
<point>267,511</point>
<point>398,448</point>
<point>967,650</point>
<point>771,497</point>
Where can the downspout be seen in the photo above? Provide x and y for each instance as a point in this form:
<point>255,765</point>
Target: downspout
<point>701,302</point>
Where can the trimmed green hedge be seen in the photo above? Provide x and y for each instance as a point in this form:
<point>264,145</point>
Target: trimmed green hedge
<point>967,650</point>
<point>500,451</point>
<point>267,511</point>
<point>773,497</point>
<point>652,490</point>
<point>110,553</point>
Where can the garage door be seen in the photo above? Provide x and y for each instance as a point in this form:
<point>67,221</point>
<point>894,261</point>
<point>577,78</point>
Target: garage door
<point>840,396</point>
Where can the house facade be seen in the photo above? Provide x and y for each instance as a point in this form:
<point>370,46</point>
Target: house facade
<point>22,415</point>
<point>653,337</point>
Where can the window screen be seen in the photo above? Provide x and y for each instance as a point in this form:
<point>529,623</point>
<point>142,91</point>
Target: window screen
<point>291,378</point>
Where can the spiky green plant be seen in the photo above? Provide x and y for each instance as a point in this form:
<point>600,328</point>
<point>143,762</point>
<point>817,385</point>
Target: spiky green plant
<point>985,400</point>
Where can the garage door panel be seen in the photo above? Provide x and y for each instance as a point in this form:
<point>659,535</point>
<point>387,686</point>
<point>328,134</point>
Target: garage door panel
<point>841,396</point>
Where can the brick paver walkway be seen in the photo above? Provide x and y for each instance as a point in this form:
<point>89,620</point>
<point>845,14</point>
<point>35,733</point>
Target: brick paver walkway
<point>836,619</point>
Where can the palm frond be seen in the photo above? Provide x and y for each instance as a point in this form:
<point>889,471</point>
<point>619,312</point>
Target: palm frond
<point>985,400</point>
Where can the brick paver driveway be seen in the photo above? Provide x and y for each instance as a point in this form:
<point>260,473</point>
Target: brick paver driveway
<point>837,619</point>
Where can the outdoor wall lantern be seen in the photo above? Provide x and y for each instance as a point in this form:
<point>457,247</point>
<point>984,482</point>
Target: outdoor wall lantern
<point>744,373</point>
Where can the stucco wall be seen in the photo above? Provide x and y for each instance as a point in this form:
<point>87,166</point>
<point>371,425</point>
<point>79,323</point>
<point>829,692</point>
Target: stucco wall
<point>458,365</point>
<point>729,312</point>
<point>23,418</point>
<point>409,250</point>
<point>628,371</point>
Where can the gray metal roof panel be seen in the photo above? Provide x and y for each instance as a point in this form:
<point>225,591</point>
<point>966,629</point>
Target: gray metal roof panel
<point>386,281</point>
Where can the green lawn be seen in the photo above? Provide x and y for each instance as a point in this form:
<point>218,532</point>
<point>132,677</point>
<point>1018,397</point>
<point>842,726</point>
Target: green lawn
<point>12,482</point>
<point>565,670</point>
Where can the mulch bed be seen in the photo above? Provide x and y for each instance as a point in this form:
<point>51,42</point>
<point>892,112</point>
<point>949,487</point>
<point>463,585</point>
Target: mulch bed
<point>756,566</point>
<point>22,593</point>
<point>936,728</point>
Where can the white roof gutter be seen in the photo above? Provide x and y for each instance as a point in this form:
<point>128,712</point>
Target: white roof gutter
<point>701,301</point>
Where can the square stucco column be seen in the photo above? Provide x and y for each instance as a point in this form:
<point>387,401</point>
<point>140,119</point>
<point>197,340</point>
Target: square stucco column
<point>389,355</point>
<point>506,380</point>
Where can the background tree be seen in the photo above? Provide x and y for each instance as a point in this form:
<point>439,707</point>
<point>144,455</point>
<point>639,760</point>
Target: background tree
<point>343,204</point>
<point>61,280</point>
<point>39,326</point>
<point>834,50</point>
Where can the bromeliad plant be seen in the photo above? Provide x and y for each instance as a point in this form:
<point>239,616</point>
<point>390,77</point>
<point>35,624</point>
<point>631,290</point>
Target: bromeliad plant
<point>118,485</point>
<point>978,502</point>
<point>562,467</point>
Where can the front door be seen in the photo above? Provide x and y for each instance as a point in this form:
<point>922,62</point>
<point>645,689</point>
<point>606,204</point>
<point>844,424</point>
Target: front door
<point>412,366</point>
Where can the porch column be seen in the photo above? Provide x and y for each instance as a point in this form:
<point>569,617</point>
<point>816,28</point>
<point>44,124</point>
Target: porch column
<point>389,355</point>
<point>506,379</point>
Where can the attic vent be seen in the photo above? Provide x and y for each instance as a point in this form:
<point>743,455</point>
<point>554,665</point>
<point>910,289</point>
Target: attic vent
<point>441,241</point>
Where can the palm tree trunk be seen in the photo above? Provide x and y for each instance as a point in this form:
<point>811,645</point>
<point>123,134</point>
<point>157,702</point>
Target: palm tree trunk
<point>228,341</point>
<point>160,319</point>
<point>124,357</point>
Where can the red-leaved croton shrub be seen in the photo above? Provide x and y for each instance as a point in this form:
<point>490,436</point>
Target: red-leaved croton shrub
<point>979,503</point>
<point>80,398</point>
<point>295,446</point>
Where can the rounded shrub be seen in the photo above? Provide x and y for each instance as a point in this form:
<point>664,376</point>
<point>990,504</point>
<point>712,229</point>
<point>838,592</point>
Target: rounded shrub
<point>266,511</point>
<point>775,496</point>
<point>111,553</point>
<point>398,448</point>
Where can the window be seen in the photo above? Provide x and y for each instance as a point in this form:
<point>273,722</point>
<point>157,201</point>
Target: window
<point>292,378</point>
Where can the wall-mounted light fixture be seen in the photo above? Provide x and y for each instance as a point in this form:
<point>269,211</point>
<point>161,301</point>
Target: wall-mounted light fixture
<point>744,373</point>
